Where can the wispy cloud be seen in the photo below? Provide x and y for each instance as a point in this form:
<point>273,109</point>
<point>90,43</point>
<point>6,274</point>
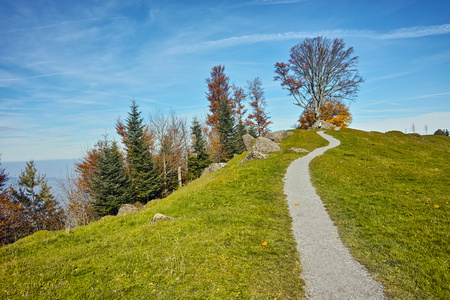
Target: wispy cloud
<point>415,32</point>
<point>37,76</point>
<point>402,33</point>
<point>58,24</point>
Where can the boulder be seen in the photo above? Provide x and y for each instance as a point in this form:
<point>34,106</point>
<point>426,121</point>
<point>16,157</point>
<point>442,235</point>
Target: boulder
<point>127,208</point>
<point>298,150</point>
<point>265,145</point>
<point>278,136</point>
<point>160,217</point>
<point>320,124</point>
<point>248,139</point>
<point>254,154</point>
<point>212,168</point>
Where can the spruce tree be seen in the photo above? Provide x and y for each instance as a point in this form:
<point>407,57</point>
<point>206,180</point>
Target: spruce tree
<point>201,159</point>
<point>110,185</point>
<point>226,129</point>
<point>35,196</point>
<point>142,174</point>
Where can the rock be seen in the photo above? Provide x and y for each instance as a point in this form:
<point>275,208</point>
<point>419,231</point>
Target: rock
<point>212,168</point>
<point>320,124</point>
<point>127,208</point>
<point>278,136</point>
<point>265,145</point>
<point>248,139</point>
<point>298,150</point>
<point>254,154</point>
<point>160,217</point>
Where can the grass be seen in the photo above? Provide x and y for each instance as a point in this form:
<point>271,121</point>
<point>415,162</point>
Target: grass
<point>389,195</point>
<point>231,238</point>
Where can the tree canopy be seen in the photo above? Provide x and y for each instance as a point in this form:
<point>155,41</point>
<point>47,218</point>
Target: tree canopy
<point>319,69</point>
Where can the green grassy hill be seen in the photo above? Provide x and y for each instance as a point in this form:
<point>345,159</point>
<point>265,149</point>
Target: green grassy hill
<point>231,237</point>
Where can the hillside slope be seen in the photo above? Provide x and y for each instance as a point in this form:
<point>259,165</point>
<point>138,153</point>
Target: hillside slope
<point>231,238</point>
<point>389,195</point>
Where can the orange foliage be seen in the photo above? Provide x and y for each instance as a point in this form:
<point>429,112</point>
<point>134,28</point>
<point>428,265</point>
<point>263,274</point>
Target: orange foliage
<point>333,111</point>
<point>218,90</point>
<point>14,223</point>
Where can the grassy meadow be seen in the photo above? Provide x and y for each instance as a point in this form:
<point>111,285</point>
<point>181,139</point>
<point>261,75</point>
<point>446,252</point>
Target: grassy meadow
<point>389,195</point>
<point>231,238</point>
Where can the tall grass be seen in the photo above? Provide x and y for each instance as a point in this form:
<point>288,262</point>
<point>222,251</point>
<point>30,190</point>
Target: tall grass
<point>389,195</point>
<point>231,238</point>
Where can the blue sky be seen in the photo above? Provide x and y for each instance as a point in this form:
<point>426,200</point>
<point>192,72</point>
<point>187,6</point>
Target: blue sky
<point>69,69</point>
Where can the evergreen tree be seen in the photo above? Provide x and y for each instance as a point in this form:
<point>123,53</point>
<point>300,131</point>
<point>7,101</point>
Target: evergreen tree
<point>110,185</point>
<point>3,177</point>
<point>240,132</point>
<point>143,177</point>
<point>227,129</point>
<point>41,207</point>
<point>201,159</point>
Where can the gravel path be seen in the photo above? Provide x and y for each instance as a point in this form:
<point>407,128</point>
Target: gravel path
<point>329,270</point>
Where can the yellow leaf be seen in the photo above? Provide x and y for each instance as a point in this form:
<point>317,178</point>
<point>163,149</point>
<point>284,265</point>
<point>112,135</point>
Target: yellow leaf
<point>295,204</point>
<point>436,206</point>
<point>264,244</point>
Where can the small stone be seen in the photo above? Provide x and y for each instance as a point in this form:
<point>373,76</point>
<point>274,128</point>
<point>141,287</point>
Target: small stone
<point>160,217</point>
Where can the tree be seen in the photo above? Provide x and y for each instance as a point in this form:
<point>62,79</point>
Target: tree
<point>319,69</point>
<point>441,132</point>
<point>333,111</point>
<point>171,148</point>
<point>3,177</point>
<point>144,181</point>
<point>39,205</point>
<point>218,90</point>
<point>200,158</point>
<point>258,117</point>
<point>227,130</point>
<point>110,185</point>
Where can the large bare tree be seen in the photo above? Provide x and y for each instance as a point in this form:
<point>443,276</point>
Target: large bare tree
<point>319,69</point>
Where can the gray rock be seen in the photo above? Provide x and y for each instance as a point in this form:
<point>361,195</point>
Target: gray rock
<point>278,136</point>
<point>212,168</point>
<point>254,154</point>
<point>248,139</point>
<point>320,124</point>
<point>298,150</point>
<point>160,217</point>
<point>127,208</point>
<point>265,145</point>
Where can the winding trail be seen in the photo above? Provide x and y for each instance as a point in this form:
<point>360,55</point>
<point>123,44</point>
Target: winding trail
<point>329,271</point>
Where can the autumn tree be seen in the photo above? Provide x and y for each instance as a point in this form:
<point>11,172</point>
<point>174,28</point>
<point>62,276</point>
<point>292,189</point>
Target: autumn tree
<point>319,69</point>
<point>239,97</point>
<point>139,160</point>
<point>258,117</point>
<point>218,90</point>
<point>78,200</point>
<point>200,159</point>
<point>39,204</point>
<point>171,137</point>
<point>333,111</point>
<point>111,186</point>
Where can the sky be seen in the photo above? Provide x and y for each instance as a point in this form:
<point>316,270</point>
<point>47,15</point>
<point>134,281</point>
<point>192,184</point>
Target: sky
<point>69,69</point>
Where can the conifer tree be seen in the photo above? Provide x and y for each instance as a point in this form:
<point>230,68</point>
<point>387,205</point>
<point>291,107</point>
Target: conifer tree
<point>201,159</point>
<point>3,177</point>
<point>41,207</point>
<point>227,129</point>
<point>110,185</point>
<point>143,177</point>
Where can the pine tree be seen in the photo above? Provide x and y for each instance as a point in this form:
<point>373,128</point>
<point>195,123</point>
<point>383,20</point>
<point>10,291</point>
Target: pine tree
<point>201,159</point>
<point>110,185</point>
<point>35,196</point>
<point>143,177</point>
<point>3,177</point>
<point>226,129</point>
